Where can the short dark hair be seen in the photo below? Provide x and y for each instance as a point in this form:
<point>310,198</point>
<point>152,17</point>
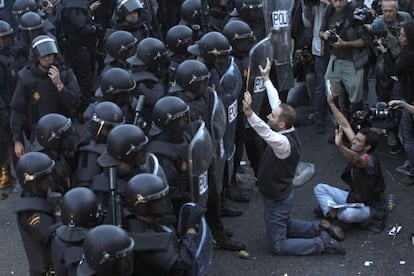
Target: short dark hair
<point>371,138</point>
<point>287,115</point>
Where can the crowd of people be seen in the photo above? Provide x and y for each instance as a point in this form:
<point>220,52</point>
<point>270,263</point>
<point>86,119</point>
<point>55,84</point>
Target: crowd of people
<point>123,125</point>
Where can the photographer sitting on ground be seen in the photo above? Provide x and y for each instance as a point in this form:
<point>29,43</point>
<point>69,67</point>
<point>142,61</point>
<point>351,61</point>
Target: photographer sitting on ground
<point>365,201</point>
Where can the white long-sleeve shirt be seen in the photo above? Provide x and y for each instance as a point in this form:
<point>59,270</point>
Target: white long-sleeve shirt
<point>276,140</point>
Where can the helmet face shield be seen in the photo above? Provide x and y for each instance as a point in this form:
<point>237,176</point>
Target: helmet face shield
<point>198,85</point>
<point>44,47</point>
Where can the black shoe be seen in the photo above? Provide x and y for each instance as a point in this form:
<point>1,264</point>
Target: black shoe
<point>234,192</point>
<point>228,233</point>
<point>331,245</point>
<point>228,211</point>
<point>319,128</point>
<point>226,243</point>
<point>407,180</point>
<point>333,230</point>
<point>404,169</point>
<point>395,150</point>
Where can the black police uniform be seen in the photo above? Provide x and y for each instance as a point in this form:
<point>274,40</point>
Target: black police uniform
<point>67,249</point>
<point>88,167</point>
<point>158,251</point>
<point>35,95</point>
<point>81,34</point>
<point>36,221</point>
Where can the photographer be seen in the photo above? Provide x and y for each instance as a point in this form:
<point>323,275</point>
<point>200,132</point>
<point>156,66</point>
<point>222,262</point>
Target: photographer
<point>401,71</point>
<point>304,73</point>
<point>347,42</point>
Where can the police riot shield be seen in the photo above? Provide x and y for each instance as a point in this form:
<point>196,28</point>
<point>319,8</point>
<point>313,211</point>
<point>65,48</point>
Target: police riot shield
<point>229,92</point>
<point>204,252</point>
<point>258,55</point>
<point>153,166</point>
<point>277,17</point>
<point>199,160</point>
<point>218,128</point>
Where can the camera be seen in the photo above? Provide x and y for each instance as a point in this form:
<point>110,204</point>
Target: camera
<point>363,15</point>
<point>380,38</point>
<point>381,111</point>
<point>334,30</point>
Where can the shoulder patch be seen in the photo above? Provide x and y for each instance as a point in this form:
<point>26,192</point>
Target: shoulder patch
<point>34,220</point>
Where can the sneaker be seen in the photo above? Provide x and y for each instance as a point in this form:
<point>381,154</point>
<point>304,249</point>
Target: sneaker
<point>225,243</point>
<point>404,169</point>
<point>331,245</point>
<point>333,230</point>
<point>407,180</point>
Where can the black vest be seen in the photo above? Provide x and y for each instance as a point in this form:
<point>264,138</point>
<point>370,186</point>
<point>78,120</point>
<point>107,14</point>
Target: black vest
<point>275,175</point>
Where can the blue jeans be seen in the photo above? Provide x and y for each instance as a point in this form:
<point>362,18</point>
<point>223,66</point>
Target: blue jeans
<point>289,236</point>
<point>325,193</point>
<point>319,105</point>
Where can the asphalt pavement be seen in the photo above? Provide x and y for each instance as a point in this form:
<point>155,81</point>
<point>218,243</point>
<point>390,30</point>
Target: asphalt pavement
<point>366,253</point>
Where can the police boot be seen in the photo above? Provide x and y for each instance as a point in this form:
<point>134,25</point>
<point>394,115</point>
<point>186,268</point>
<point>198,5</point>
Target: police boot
<point>4,177</point>
<point>237,193</point>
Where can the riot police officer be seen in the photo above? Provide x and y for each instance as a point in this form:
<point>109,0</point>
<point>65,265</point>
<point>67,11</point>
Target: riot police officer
<point>105,116</point>
<point>107,250</point>
<point>30,26</point>
<point>191,85</point>
<point>170,143</point>
<point>20,7</point>
<point>251,12</point>
<point>81,35</point>
<point>118,86</point>
<point>43,87</point>
<point>124,152</point>
<point>80,211</point>
<point>195,14</point>
<point>120,45</point>
<point>35,214</point>
<point>214,49</point>
<point>242,38</point>
<point>149,68</point>
<point>162,253</point>
<point>58,139</point>
<point>8,72</point>
<point>128,18</point>
<point>178,39</point>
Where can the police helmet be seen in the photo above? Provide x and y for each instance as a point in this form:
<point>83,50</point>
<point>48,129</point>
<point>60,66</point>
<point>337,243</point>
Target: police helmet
<point>124,7</point>
<point>56,132</point>
<point>192,12</point>
<point>179,38</point>
<point>251,10</point>
<point>106,115</point>
<point>31,171</point>
<point>80,208</point>
<point>150,51</point>
<point>193,76</point>
<point>116,81</point>
<point>107,250</point>
<point>120,45</point>
<point>167,112</point>
<point>124,144</point>
<point>43,45</point>
<point>5,29</point>
<point>240,35</point>
<point>142,191</point>
<point>22,6</point>
<point>31,21</point>
<point>210,46</point>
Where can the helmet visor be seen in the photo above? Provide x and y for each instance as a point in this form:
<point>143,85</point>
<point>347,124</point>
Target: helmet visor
<point>44,47</point>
